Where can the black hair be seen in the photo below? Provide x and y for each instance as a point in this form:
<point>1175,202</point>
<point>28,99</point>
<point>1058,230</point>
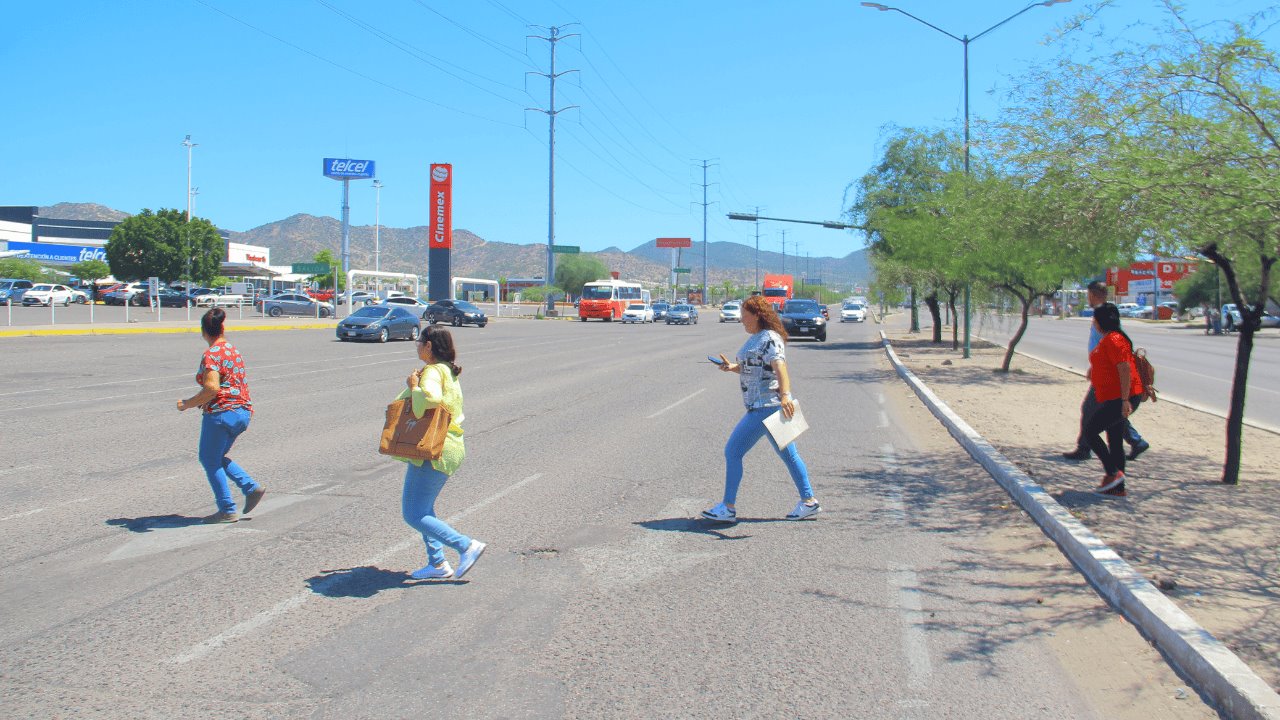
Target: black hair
<point>1099,287</point>
<point>1108,318</point>
<point>442,349</point>
<point>212,321</point>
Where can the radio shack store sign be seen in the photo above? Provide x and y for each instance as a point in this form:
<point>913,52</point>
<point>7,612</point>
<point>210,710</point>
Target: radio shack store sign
<point>348,169</point>
<point>241,253</point>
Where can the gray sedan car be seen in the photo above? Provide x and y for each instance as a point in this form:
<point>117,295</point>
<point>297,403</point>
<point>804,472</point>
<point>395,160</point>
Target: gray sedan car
<point>380,323</point>
<point>296,304</point>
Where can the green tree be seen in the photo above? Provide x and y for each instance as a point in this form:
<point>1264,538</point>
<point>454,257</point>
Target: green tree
<point>900,202</point>
<point>91,271</point>
<point>21,269</point>
<point>326,280</point>
<point>163,244</point>
<point>574,271</point>
<point>1187,133</point>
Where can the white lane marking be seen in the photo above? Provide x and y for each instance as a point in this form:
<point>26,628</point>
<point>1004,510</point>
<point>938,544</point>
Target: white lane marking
<point>20,468</point>
<point>266,616</point>
<point>40,510</point>
<point>904,584</point>
<point>880,398</point>
<point>676,403</point>
<point>304,488</point>
<point>330,489</point>
<point>884,419</point>
<point>183,375</point>
<point>894,506</point>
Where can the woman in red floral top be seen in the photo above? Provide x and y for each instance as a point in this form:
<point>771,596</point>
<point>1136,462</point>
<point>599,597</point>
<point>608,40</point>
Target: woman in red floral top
<point>1118,389</point>
<point>224,397</point>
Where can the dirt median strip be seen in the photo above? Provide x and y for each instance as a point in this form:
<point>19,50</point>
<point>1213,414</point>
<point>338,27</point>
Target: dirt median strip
<point>1197,655</point>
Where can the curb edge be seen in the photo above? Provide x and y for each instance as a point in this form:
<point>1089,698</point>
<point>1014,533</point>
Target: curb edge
<point>1192,651</point>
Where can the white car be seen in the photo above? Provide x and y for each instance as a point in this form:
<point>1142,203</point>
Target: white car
<point>46,294</point>
<point>638,312</point>
<point>412,304</point>
<point>853,312</point>
<point>731,312</point>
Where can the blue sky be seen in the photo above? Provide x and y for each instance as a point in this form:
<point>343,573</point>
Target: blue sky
<point>787,100</point>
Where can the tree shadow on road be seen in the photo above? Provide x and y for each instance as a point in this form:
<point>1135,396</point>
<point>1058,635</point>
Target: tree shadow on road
<point>366,581</point>
<point>156,522</point>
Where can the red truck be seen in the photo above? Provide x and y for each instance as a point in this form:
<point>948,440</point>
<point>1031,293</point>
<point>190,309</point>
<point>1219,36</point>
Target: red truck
<point>777,289</point>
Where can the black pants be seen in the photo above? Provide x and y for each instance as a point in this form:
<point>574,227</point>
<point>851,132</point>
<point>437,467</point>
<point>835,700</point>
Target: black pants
<point>1087,409</point>
<point>1107,418</point>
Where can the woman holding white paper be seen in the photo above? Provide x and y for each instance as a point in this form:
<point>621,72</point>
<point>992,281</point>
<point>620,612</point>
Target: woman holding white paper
<point>766,389</point>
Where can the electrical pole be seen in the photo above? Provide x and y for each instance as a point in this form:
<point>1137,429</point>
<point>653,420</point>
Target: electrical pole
<point>784,252</point>
<point>706,292</point>
<point>186,232</point>
<point>553,37</point>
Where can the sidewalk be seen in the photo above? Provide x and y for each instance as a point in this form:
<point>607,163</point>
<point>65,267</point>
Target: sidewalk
<point>1213,549</point>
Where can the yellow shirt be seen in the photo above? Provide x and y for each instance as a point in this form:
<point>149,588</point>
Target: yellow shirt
<point>437,386</point>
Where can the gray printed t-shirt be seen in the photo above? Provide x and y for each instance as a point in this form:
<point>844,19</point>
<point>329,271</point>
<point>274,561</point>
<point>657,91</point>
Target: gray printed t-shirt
<point>757,379</point>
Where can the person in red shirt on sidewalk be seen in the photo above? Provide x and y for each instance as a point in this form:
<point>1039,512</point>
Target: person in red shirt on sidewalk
<point>1118,390</point>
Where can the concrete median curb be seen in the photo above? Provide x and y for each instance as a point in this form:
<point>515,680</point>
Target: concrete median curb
<point>1190,649</point>
<point>169,329</point>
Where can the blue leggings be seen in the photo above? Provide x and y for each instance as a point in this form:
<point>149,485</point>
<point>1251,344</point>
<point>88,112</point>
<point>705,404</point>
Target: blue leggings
<point>422,485</point>
<point>744,437</point>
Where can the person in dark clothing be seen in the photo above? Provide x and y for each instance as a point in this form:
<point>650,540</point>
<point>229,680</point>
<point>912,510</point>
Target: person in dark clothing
<point>1117,387</point>
<point>1097,296</point>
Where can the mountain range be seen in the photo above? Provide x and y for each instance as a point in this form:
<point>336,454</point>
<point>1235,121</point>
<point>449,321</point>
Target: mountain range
<point>298,238</point>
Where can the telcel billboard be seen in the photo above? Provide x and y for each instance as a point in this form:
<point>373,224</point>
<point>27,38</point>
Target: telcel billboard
<point>56,253</point>
<point>347,169</point>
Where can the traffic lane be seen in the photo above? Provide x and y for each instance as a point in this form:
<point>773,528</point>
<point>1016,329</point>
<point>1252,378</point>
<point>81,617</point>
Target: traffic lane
<point>575,514</point>
<point>106,641</point>
<point>1190,365</point>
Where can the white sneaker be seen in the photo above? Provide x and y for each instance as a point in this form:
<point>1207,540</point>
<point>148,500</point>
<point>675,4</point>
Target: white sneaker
<point>469,557</point>
<point>803,511</point>
<point>432,572</point>
<point>721,513</point>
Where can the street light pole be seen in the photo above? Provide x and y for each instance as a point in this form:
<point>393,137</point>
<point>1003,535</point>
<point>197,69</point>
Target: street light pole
<point>186,231</point>
<point>965,42</point>
<point>377,225</point>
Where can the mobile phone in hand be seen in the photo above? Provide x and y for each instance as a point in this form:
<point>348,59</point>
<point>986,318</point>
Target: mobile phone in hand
<point>715,360</point>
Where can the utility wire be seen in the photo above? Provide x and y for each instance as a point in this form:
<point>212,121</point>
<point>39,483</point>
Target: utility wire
<point>509,11</point>
<point>357,73</point>
<point>504,49</point>
<point>424,56</point>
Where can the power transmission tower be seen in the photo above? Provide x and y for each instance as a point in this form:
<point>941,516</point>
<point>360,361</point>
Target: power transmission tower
<point>706,292</point>
<point>553,37</point>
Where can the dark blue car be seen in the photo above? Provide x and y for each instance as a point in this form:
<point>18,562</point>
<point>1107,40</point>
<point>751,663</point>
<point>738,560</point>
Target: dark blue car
<point>381,323</point>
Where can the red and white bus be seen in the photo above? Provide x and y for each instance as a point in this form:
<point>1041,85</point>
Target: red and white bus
<point>607,299</point>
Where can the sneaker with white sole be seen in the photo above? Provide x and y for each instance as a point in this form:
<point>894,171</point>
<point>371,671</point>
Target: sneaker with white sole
<point>469,557</point>
<point>721,513</point>
<point>431,572</point>
<point>1110,481</point>
<point>804,510</point>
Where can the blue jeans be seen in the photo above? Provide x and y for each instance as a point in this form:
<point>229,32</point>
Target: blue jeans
<point>422,485</point>
<point>218,432</point>
<point>744,437</point>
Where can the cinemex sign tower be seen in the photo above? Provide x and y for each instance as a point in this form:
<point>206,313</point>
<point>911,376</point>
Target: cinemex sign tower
<point>440,244</point>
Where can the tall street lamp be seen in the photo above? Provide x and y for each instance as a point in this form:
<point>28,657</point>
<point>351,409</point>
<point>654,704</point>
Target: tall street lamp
<point>965,42</point>
<point>377,225</point>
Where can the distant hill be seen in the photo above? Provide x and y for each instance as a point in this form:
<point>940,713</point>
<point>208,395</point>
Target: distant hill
<point>298,238</point>
<point>82,211</point>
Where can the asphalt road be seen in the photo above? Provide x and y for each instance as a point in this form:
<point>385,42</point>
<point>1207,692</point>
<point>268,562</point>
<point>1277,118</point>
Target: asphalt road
<point>1190,366</point>
<point>591,449</point>
<point>20,316</point>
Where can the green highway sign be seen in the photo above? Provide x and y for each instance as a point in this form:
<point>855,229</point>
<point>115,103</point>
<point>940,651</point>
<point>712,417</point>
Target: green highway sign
<point>571,249</point>
<point>683,270</point>
<point>312,268</point>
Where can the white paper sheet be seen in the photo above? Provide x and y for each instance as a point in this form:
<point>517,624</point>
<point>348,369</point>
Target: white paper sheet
<point>783,430</point>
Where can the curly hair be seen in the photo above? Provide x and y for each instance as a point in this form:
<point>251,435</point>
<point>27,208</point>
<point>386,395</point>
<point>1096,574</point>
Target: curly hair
<point>763,309</point>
